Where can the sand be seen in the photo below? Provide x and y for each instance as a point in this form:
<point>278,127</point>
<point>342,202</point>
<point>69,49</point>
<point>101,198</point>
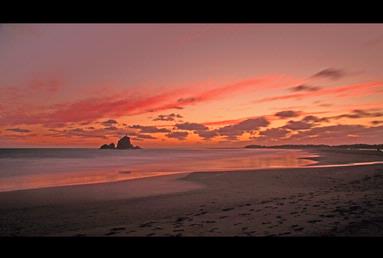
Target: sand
<point>310,201</point>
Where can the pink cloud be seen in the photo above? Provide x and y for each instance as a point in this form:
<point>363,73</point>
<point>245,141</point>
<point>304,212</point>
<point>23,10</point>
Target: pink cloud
<point>116,106</point>
<point>359,89</point>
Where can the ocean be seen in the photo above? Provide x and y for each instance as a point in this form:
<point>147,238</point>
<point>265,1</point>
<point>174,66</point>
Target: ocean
<point>39,168</point>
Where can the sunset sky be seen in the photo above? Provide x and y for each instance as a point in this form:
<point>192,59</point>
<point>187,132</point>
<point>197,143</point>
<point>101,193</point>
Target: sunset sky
<point>190,85</point>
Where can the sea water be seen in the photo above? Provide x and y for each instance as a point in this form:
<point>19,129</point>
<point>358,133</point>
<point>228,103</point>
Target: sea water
<point>38,168</point>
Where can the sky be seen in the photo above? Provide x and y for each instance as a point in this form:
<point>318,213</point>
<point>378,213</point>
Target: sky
<point>190,85</point>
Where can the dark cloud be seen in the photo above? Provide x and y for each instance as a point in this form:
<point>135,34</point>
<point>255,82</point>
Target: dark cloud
<point>78,132</point>
<point>200,129</point>
<point>206,134</point>
<point>177,135</point>
<point>145,136</point>
<point>332,135</point>
<point>325,105</point>
<point>111,128</point>
<point>150,129</point>
<point>358,113</point>
<point>251,124</point>
<point>109,122</point>
<point>330,73</point>
<point>314,119</point>
<point>89,132</point>
<point>18,130</point>
<point>231,132</point>
<point>376,122</point>
<point>338,133</point>
<point>170,117</point>
<point>85,123</point>
<point>191,126</point>
<point>287,114</point>
<point>274,132</point>
<point>298,125</point>
<point>186,100</point>
<point>304,87</point>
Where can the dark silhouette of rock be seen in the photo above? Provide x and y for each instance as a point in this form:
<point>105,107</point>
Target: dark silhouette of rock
<point>124,143</point>
<point>108,146</point>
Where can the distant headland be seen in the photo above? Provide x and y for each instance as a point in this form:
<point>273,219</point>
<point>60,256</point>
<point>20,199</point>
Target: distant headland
<point>122,144</point>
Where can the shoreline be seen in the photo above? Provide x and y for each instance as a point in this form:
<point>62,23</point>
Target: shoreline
<point>261,202</point>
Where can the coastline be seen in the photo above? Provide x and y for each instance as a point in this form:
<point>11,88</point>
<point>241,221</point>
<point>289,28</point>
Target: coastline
<point>281,201</point>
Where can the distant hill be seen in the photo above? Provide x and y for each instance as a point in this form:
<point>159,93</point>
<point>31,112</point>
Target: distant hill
<point>304,146</point>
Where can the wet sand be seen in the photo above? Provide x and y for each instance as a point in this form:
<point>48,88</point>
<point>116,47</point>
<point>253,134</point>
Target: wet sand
<point>310,201</point>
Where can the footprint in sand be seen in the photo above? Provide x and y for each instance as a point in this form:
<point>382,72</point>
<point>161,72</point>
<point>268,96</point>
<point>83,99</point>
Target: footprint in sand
<point>147,224</point>
<point>327,216</point>
<point>314,221</point>
<point>196,224</point>
<point>180,219</point>
<point>213,229</point>
<point>117,229</point>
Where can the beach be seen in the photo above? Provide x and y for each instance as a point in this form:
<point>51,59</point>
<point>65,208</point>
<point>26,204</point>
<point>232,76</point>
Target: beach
<point>314,200</point>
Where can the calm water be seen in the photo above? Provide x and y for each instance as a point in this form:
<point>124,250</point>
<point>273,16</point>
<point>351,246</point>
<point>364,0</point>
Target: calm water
<point>37,168</point>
